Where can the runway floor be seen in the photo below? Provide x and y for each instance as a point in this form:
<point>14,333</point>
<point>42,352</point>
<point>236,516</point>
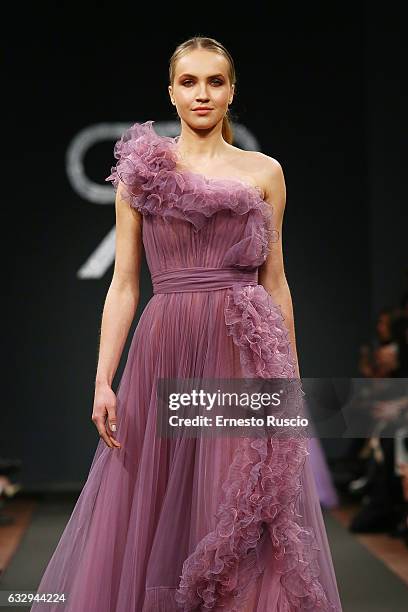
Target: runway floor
<point>372,570</point>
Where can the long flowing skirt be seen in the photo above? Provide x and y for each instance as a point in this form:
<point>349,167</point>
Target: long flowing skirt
<point>201,523</point>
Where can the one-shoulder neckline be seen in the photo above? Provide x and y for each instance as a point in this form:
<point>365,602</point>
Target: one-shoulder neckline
<point>209,180</point>
<point>154,184</point>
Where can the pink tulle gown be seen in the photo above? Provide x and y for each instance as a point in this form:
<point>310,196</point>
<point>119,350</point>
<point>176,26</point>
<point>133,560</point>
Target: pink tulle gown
<point>208,523</point>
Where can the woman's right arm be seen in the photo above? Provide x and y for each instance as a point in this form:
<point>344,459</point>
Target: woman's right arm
<point>118,313</point>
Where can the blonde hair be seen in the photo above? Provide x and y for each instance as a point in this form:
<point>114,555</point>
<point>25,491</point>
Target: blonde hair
<point>210,44</point>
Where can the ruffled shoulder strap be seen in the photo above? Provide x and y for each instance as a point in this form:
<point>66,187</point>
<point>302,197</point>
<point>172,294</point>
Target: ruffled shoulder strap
<point>141,155</point>
<point>152,183</point>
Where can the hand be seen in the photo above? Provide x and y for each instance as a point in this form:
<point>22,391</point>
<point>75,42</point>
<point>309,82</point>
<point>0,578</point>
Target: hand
<point>105,406</point>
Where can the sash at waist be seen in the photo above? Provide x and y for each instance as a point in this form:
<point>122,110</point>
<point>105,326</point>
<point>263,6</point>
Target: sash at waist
<point>201,279</point>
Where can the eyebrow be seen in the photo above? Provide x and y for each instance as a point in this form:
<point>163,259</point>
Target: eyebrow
<point>192,75</point>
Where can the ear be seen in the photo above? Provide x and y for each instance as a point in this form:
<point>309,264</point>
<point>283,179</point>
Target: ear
<point>232,94</point>
<point>171,94</point>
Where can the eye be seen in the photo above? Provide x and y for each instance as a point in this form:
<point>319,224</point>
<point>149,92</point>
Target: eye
<point>218,81</point>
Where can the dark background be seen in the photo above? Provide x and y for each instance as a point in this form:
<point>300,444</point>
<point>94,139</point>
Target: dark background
<point>320,90</point>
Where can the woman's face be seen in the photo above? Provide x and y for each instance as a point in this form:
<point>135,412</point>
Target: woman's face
<point>201,79</point>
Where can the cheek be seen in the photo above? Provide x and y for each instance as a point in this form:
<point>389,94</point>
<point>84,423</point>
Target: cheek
<point>185,97</point>
<point>221,97</point>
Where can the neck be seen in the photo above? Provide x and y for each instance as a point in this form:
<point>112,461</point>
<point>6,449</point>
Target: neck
<point>203,145</point>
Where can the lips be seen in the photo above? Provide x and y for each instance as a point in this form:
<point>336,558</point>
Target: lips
<point>202,108</point>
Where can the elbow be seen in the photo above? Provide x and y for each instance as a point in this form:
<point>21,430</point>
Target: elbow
<point>126,284</point>
<point>273,283</point>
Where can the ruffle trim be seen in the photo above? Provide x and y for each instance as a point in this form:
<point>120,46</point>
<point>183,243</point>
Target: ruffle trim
<point>153,184</point>
<point>260,494</point>
<point>261,488</point>
<point>257,328</point>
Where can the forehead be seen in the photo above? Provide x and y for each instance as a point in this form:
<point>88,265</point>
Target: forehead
<point>201,62</point>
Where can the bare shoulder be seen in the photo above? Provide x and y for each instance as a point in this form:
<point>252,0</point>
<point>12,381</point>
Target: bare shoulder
<point>271,171</point>
<point>269,164</point>
<point>268,173</point>
<point>262,171</point>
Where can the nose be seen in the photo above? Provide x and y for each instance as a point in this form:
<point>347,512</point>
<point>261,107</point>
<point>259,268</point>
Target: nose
<point>202,94</point>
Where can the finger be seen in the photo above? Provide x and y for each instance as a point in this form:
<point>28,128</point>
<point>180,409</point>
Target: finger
<point>112,426</point>
<point>103,433</point>
<point>111,419</point>
<point>106,438</point>
<point>115,442</point>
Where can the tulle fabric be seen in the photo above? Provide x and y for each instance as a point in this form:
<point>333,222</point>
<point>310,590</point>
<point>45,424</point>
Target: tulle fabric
<point>207,523</point>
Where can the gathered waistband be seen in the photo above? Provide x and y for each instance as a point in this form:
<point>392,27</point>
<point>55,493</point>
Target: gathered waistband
<point>201,279</point>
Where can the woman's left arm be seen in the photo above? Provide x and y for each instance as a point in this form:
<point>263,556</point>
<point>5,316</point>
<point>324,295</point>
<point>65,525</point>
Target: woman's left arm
<point>272,273</point>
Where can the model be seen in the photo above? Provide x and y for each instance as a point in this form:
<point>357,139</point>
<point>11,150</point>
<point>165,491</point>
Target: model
<point>208,522</point>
